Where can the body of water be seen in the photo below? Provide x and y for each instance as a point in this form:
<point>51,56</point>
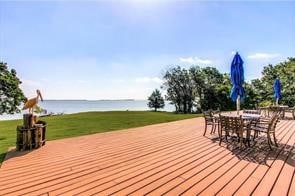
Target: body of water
<point>75,106</point>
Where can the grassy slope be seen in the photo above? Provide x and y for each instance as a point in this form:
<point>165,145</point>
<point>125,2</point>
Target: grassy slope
<point>87,123</point>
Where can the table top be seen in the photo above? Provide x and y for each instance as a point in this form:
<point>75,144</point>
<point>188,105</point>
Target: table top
<point>251,116</point>
<point>244,116</point>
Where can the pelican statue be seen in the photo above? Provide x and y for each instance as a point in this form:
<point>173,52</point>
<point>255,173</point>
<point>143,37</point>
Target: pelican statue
<point>31,103</point>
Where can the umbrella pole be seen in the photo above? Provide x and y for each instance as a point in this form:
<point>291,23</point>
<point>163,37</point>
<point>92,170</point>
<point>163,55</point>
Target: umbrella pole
<point>277,101</point>
<point>238,105</point>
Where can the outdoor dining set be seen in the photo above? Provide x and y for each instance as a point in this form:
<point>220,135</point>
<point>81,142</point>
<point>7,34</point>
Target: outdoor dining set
<point>246,127</point>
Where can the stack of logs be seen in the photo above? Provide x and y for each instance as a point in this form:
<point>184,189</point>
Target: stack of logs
<point>31,134</point>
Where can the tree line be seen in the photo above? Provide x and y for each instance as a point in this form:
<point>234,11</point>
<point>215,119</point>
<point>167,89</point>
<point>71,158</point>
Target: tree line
<point>195,89</point>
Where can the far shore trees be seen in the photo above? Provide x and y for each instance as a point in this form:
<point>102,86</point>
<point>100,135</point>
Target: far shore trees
<point>156,101</point>
<point>11,96</point>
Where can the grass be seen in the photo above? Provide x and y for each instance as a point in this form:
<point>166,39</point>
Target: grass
<point>72,125</point>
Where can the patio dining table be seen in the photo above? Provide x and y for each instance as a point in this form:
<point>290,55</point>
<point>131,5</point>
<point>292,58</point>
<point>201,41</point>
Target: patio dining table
<point>248,119</point>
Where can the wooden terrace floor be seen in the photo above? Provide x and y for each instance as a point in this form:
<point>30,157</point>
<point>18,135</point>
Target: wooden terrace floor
<point>165,159</point>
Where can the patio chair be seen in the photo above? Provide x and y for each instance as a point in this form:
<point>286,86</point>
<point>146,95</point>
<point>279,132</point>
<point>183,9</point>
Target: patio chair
<point>230,126</point>
<point>292,111</point>
<point>267,126</point>
<point>263,111</point>
<point>215,114</point>
<point>210,120</point>
<point>272,110</point>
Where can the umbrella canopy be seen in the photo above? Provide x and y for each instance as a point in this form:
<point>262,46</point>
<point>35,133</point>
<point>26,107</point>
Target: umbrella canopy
<point>237,78</point>
<point>277,89</point>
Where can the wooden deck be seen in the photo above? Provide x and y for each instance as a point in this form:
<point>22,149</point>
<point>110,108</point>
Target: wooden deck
<point>164,159</point>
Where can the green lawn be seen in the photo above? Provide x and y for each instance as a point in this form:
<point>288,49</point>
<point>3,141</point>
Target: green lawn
<point>87,123</point>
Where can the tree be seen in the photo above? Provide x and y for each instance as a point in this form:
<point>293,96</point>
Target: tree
<point>212,88</point>
<point>263,88</point>
<point>180,89</point>
<point>11,96</point>
<point>197,88</point>
<point>156,100</point>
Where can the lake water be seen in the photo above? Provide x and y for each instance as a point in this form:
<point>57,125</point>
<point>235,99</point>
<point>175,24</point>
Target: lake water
<point>75,106</point>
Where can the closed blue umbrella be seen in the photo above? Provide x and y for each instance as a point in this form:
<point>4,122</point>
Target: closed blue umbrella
<point>237,79</point>
<point>277,90</point>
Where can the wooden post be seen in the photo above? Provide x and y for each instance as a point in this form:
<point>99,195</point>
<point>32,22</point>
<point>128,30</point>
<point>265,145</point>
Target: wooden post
<point>28,120</point>
<point>24,138</point>
<point>19,138</point>
<point>28,139</point>
<point>38,135</point>
<point>43,138</point>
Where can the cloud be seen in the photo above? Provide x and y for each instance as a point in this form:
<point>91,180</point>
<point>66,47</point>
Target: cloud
<point>195,60</point>
<point>263,56</point>
<point>149,80</point>
<point>31,83</point>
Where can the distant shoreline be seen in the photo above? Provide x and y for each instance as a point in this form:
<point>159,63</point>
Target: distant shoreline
<point>94,100</point>
<point>53,106</point>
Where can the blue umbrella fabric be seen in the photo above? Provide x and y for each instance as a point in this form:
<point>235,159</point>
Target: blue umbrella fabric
<point>277,90</point>
<point>237,78</point>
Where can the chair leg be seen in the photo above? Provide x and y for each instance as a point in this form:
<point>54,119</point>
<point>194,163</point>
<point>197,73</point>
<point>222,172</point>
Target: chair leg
<point>248,137</point>
<point>226,134</point>
<point>269,141</point>
<point>213,128</point>
<point>220,136</point>
<point>218,126</point>
<point>255,135</point>
<point>205,129</point>
<point>275,139</point>
<point>241,138</point>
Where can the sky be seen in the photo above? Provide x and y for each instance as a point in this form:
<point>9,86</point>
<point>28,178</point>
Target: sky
<point>121,49</point>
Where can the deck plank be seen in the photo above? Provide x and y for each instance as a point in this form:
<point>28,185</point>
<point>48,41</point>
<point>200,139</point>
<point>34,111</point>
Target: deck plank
<point>169,158</point>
